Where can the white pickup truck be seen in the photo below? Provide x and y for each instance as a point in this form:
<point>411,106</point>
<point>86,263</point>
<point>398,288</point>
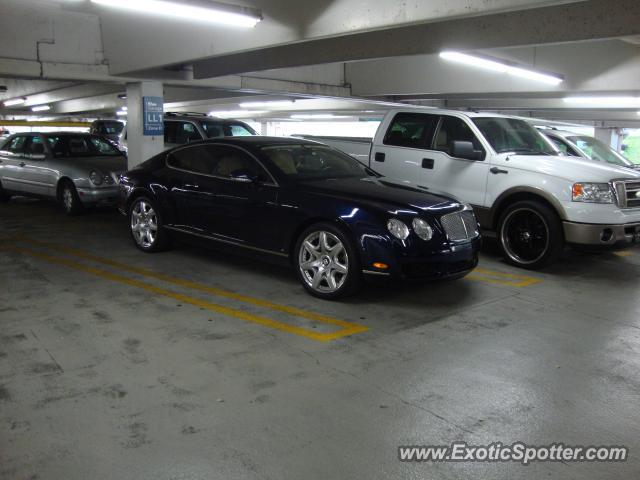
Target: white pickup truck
<point>535,200</point>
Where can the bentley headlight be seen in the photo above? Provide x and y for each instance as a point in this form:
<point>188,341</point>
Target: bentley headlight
<point>592,193</point>
<point>397,228</point>
<point>95,178</point>
<point>422,229</point>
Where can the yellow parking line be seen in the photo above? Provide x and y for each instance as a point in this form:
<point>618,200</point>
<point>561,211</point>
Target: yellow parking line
<point>503,278</point>
<point>624,253</point>
<point>350,328</point>
<point>203,288</point>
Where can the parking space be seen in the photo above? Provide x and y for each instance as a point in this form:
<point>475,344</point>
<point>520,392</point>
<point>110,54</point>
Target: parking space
<point>195,364</point>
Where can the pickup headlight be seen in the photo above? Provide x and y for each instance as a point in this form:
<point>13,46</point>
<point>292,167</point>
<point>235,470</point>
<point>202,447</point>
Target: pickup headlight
<point>398,228</point>
<point>95,178</point>
<point>422,229</point>
<point>592,193</point>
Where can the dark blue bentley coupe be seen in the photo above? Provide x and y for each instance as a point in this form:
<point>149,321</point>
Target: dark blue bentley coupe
<point>333,219</point>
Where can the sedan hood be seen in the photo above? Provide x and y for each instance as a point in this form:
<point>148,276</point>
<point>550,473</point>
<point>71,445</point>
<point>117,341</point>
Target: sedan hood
<point>383,193</point>
<point>102,164</point>
<point>573,169</point>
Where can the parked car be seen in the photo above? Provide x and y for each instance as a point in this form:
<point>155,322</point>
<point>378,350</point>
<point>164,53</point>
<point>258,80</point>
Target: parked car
<point>77,169</point>
<point>180,129</point>
<point>334,219</point>
<point>584,146</point>
<point>520,187</point>
<point>109,129</point>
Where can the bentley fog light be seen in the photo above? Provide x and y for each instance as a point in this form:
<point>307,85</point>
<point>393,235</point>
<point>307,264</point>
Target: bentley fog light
<point>397,228</point>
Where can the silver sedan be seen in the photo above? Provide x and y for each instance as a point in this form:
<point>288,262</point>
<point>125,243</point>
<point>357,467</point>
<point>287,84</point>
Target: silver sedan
<point>76,169</point>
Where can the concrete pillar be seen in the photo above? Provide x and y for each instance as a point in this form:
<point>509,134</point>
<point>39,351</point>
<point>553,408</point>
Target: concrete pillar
<point>141,147</point>
<point>606,135</point>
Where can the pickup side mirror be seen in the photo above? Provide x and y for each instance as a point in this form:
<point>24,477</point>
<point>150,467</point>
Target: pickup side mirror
<point>463,149</point>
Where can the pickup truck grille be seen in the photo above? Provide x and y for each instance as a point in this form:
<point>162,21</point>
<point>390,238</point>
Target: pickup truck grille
<point>628,193</point>
<point>460,226</point>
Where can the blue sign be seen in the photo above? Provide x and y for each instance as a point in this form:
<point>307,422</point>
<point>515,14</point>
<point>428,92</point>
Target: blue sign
<point>152,111</point>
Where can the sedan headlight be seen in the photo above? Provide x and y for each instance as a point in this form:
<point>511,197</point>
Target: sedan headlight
<point>397,228</point>
<point>95,178</point>
<point>592,193</point>
<point>422,229</point>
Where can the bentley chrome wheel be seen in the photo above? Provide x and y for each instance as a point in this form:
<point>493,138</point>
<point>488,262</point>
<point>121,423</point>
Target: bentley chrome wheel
<point>144,223</point>
<point>323,262</point>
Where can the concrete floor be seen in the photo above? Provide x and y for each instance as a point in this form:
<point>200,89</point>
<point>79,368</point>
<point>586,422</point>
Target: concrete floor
<point>106,372</point>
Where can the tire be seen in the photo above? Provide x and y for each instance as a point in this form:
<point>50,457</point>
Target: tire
<point>326,262</point>
<point>530,234</point>
<point>70,199</point>
<point>145,225</point>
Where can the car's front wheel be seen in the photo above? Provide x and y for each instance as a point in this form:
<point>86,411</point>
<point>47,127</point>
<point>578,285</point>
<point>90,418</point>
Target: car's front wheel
<point>327,264</point>
<point>70,199</point>
<point>530,234</point>
<point>146,226</point>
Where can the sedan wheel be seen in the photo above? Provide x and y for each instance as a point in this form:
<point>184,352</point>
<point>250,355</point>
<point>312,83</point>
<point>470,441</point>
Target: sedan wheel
<point>327,264</point>
<point>144,224</point>
<point>70,199</point>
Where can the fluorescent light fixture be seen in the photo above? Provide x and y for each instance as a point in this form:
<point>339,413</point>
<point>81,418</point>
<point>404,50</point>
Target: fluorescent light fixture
<point>125,109</point>
<point>274,103</point>
<point>15,101</point>
<point>235,113</point>
<point>316,116</point>
<point>191,10</point>
<point>121,113</point>
<point>501,66</point>
<point>604,102</point>
<point>41,108</point>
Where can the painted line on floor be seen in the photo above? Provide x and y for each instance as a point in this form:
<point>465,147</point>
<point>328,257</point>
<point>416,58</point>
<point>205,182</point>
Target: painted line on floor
<point>296,312</point>
<point>624,253</point>
<point>350,329</point>
<point>503,278</point>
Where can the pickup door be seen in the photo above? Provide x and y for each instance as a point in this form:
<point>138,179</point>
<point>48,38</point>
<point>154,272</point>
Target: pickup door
<point>417,149</point>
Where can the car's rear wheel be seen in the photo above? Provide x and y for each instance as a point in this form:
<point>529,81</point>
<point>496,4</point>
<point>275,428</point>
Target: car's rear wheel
<point>70,199</point>
<point>326,262</point>
<point>530,234</point>
<point>146,226</point>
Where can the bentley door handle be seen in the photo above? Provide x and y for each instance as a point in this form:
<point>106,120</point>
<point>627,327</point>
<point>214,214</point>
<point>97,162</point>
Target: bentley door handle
<point>191,185</point>
<point>496,170</point>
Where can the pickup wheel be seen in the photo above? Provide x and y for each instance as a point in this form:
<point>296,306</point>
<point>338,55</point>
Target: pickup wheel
<point>530,234</point>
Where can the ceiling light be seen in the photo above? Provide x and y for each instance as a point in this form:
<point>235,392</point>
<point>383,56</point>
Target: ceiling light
<point>15,101</point>
<point>192,10</point>
<point>121,113</point>
<point>275,103</point>
<point>122,96</point>
<point>235,113</point>
<point>41,108</point>
<point>501,66</point>
<point>316,116</point>
<point>604,102</point>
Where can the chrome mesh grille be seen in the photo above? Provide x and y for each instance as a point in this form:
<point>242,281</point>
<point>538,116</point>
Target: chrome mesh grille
<point>460,225</point>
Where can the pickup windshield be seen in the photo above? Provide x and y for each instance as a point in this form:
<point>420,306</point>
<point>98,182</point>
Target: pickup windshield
<point>513,135</point>
<point>597,150</point>
<point>311,162</point>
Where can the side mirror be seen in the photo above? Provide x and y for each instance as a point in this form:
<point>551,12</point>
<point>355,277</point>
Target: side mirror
<point>463,149</point>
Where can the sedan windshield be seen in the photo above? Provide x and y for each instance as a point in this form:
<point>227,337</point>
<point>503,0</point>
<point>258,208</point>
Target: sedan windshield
<point>314,162</point>
<point>513,135</point>
<point>597,150</point>
<point>75,146</point>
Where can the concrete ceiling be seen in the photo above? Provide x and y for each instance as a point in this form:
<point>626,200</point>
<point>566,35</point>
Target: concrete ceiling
<point>343,56</point>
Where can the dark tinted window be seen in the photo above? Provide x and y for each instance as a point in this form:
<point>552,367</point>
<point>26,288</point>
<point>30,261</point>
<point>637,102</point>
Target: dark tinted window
<point>179,133</point>
<point>218,160</point>
<point>454,129</point>
<point>107,128</point>
<point>16,145</point>
<point>215,129</point>
<point>413,130</point>
<point>35,146</point>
